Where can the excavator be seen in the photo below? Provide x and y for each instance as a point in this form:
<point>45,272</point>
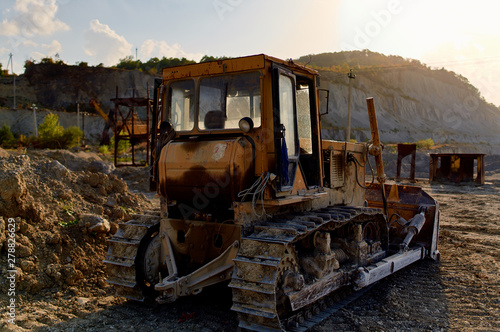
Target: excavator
<point>253,197</point>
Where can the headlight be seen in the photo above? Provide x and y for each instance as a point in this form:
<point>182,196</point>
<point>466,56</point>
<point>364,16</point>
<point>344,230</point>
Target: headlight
<point>246,124</point>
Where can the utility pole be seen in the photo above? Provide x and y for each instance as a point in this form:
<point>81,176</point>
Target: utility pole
<point>14,106</point>
<point>78,117</point>
<point>33,106</point>
<point>351,76</point>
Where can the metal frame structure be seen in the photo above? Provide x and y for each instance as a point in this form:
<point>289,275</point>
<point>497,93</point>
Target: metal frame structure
<point>456,167</point>
<point>403,151</point>
<point>127,125</point>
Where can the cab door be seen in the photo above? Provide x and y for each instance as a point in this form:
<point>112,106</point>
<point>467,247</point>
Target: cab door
<point>285,127</point>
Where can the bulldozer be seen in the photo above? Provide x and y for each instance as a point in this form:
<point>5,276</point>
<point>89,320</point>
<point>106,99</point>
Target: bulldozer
<point>253,197</point>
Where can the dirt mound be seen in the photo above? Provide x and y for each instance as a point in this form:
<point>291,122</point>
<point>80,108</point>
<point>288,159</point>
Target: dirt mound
<point>3,153</point>
<point>63,219</point>
<point>76,161</point>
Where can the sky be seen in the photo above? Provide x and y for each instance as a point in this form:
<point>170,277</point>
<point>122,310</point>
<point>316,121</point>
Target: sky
<point>462,36</point>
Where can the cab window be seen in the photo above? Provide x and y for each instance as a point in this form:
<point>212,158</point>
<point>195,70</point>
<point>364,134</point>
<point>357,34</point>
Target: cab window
<point>181,104</point>
<point>224,100</point>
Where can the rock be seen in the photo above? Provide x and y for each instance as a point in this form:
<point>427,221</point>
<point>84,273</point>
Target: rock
<point>114,227</point>
<point>23,226</point>
<point>23,251</point>
<point>71,274</point>
<point>74,290</point>
<point>3,153</point>
<point>54,238</point>
<point>111,202</point>
<point>60,171</point>
<point>89,220</point>
<point>97,166</point>
<point>52,270</point>
<point>92,179</point>
<point>31,284</point>
<point>101,227</point>
<point>117,213</point>
<point>27,266</point>
<point>82,300</point>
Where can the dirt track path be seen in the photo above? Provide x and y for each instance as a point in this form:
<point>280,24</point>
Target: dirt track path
<point>460,293</point>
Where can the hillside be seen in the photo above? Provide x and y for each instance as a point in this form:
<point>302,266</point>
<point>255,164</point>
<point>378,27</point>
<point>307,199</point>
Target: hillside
<point>59,87</point>
<point>413,102</point>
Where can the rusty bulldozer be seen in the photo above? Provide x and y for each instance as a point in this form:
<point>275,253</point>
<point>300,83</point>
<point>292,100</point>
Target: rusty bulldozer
<point>251,195</point>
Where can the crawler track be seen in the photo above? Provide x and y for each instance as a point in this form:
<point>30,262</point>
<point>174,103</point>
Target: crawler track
<point>268,253</point>
<point>122,255</point>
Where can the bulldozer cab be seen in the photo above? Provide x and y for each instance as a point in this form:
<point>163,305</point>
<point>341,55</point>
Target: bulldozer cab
<point>270,102</point>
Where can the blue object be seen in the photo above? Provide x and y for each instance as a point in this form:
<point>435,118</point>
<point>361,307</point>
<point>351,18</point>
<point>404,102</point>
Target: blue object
<point>284,161</point>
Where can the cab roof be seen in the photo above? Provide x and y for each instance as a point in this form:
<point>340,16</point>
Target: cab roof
<point>253,62</point>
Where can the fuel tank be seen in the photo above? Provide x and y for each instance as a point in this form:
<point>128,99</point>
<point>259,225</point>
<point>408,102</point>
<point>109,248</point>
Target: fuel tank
<point>216,169</point>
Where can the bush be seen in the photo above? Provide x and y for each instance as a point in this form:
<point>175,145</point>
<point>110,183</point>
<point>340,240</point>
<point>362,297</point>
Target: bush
<point>70,137</point>
<point>425,144</point>
<point>123,145</point>
<point>50,131</point>
<point>51,135</point>
<point>104,149</point>
<point>7,139</point>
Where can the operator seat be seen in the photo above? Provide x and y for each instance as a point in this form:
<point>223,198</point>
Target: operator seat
<point>215,120</point>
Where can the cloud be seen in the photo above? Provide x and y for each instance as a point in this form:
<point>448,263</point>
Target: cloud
<point>154,48</point>
<point>105,45</point>
<point>32,18</point>
<point>49,51</point>
<point>52,48</point>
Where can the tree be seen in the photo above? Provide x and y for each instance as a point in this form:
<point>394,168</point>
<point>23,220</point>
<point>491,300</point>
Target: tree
<point>6,137</point>
<point>207,58</point>
<point>29,63</point>
<point>152,65</point>
<point>128,63</point>
<point>52,135</point>
<point>50,129</point>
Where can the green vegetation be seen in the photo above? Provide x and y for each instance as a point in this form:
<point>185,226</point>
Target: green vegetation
<point>127,210</point>
<point>104,149</point>
<point>123,145</point>
<point>341,62</point>
<point>50,129</point>
<point>153,65</point>
<point>67,208</point>
<point>207,58</point>
<point>49,60</point>
<point>425,144</point>
<point>69,223</point>
<point>51,135</point>
<point>7,139</point>
<point>391,148</point>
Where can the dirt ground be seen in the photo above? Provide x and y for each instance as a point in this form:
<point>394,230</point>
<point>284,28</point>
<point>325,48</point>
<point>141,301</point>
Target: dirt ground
<point>461,292</point>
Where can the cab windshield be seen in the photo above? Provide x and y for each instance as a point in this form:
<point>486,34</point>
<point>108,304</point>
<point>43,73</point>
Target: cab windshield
<point>224,100</point>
